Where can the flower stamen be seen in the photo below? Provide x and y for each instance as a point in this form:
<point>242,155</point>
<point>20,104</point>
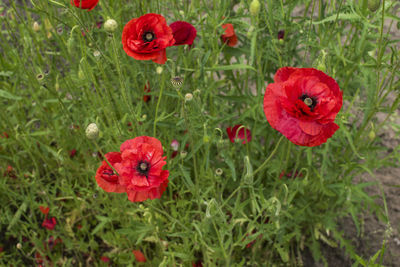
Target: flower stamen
<point>148,36</point>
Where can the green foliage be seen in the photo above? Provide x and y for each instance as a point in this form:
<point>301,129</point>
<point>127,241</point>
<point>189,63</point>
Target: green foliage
<point>52,85</point>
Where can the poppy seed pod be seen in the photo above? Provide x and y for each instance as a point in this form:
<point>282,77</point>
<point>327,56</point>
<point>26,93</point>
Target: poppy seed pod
<point>92,131</point>
<point>254,8</point>
<point>110,25</point>
<point>177,82</point>
<point>373,5</point>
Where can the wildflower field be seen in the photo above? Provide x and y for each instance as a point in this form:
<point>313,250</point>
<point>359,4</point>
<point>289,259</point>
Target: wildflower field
<point>199,133</point>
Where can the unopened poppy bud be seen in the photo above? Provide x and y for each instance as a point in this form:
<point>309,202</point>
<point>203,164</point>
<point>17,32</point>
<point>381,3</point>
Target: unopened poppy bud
<point>183,154</point>
<point>206,139</point>
<point>92,131</point>
<point>177,82</point>
<point>372,135</point>
<point>188,97</point>
<point>159,70</point>
<point>373,5</point>
<point>144,117</point>
<point>19,246</point>
<point>254,8</point>
<point>181,12</point>
<point>110,25</point>
<point>36,26</point>
<point>219,172</point>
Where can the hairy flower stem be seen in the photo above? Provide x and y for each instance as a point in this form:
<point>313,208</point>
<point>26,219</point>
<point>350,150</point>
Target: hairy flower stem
<point>270,156</point>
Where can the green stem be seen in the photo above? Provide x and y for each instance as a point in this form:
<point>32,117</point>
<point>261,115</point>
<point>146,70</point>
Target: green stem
<point>270,156</point>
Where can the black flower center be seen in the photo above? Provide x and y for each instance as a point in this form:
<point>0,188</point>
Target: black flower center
<point>148,36</point>
<point>143,168</point>
<point>311,102</point>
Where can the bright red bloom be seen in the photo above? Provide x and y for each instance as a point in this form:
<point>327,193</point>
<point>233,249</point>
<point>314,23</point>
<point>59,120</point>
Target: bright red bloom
<point>147,37</point>
<point>106,178</point>
<point>49,223</point>
<point>44,210</point>
<point>184,32</point>
<point>239,132</point>
<point>141,168</point>
<point>302,104</point>
<point>139,256</point>
<point>85,4</point>
<point>229,37</point>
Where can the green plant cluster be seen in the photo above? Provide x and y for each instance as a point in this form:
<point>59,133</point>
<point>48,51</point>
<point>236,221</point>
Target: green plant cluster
<point>55,80</point>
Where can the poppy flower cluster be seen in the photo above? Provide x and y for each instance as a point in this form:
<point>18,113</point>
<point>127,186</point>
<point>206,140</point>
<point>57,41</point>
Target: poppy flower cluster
<point>135,170</point>
<point>147,37</point>
<point>302,104</point>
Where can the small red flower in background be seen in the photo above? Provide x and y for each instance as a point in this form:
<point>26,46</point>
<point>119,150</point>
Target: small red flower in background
<point>72,153</point>
<point>140,169</point>
<point>289,174</point>
<point>139,256</point>
<point>281,34</point>
<point>147,37</point>
<point>44,210</point>
<point>49,223</point>
<point>10,172</point>
<point>85,4</point>
<point>106,178</point>
<point>239,132</point>
<point>302,104</point>
<point>183,32</point>
<point>229,37</point>
<point>105,259</point>
<point>197,264</point>
<point>5,135</point>
<point>51,242</point>
<point>146,98</point>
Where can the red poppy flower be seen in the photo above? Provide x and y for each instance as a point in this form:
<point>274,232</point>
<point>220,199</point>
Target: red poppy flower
<point>146,37</point>
<point>72,153</point>
<point>239,132</point>
<point>49,223</point>
<point>106,178</point>
<point>302,104</point>
<point>184,32</point>
<point>141,168</point>
<point>44,210</point>
<point>229,37</point>
<point>105,259</point>
<point>85,4</point>
<point>146,98</point>
<point>5,135</point>
<point>139,256</point>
